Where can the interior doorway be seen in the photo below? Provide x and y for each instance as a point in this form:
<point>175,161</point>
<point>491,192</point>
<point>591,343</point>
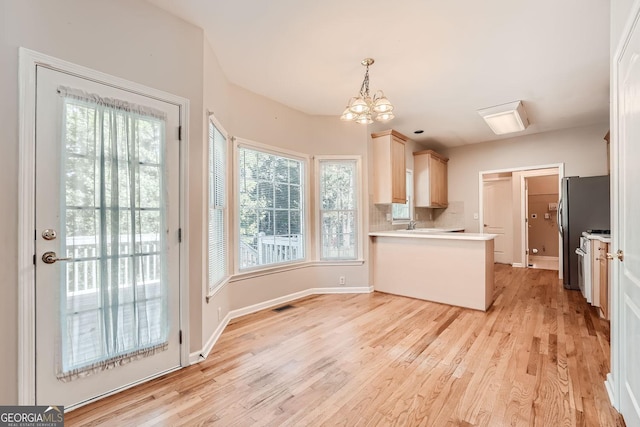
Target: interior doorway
<point>520,241</point>
<point>542,237</point>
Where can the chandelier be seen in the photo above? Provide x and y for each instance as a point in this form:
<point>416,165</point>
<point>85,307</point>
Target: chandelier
<point>363,108</point>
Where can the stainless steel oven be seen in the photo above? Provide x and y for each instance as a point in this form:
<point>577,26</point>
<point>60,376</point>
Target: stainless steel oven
<point>584,267</point>
<point>581,256</point>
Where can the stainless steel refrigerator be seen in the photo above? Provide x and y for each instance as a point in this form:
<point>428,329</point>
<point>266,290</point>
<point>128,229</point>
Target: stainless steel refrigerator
<point>584,205</point>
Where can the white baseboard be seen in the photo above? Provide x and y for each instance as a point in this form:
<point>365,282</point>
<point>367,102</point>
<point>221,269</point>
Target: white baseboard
<point>517,265</point>
<point>270,303</point>
<point>608,384</point>
<point>199,356</point>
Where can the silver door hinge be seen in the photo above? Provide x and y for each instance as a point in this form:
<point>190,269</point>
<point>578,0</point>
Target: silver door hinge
<point>180,133</point>
<point>180,235</point>
<point>34,259</point>
<point>180,336</point>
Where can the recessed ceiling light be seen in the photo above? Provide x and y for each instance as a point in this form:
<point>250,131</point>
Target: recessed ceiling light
<point>418,131</point>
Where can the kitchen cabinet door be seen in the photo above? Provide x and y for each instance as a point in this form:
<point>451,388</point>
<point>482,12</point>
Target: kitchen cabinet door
<point>389,163</point>
<point>604,280</point>
<point>430,179</point>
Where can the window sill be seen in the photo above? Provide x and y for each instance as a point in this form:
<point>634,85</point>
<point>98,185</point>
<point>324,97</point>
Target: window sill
<point>218,288</point>
<point>331,262</point>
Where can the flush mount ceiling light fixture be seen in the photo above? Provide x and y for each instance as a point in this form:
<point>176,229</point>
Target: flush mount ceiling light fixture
<point>363,108</point>
<point>506,118</point>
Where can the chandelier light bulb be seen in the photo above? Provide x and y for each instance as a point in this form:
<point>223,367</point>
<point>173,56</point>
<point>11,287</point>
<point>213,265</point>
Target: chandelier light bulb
<point>364,119</point>
<point>381,103</point>
<point>359,106</point>
<point>385,117</point>
<point>348,115</point>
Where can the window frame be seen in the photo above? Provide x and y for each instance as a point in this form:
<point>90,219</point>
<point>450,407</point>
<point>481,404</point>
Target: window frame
<point>359,208</point>
<point>239,143</point>
<point>212,289</point>
<point>410,201</point>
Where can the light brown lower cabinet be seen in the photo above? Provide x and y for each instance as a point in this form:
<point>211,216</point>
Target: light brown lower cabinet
<point>603,279</point>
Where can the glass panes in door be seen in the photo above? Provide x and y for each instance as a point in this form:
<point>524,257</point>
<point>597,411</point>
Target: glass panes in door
<point>114,304</point>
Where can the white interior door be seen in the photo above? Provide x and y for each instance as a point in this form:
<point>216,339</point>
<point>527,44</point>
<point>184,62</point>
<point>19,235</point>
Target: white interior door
<point>107,198</point>
<point>627,233</point>
<point>498,217</point>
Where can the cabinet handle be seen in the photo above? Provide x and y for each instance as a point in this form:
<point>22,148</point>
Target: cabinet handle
<point>619,255</point>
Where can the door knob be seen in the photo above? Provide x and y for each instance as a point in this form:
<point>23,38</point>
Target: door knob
<point>51,258</point>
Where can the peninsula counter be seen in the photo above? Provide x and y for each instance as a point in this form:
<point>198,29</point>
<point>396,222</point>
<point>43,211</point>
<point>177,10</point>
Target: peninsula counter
<point>445,267</point>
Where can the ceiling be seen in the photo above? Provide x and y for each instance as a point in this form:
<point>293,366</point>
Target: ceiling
<point>437,61</point>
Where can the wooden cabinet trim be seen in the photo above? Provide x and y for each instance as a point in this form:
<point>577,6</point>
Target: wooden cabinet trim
<point>390,132</point>
<point>433,153</point>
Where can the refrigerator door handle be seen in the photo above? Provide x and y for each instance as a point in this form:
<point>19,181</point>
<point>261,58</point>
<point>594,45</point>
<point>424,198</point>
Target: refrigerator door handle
<point>559,219</point>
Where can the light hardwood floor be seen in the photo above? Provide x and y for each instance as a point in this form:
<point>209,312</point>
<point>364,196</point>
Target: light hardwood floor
<point>538,357</point>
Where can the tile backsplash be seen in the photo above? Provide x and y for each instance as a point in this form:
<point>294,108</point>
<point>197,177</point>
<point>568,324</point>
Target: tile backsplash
<point>452,216</point>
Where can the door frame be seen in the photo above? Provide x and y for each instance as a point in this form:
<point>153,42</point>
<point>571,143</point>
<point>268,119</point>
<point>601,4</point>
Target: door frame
<point>29,60</point>
<point>529,171</point>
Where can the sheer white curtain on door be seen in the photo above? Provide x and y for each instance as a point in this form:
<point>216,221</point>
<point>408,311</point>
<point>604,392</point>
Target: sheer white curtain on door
<point>113,304</point>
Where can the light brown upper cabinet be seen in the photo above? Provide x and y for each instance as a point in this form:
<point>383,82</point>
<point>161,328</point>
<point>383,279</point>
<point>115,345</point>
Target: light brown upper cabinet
<point>430,179</point>
<point>389,167</point>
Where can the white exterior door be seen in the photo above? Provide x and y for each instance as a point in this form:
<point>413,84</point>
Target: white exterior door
<point>498,217</point>
<point>626,342</point>
<point>106,238</point>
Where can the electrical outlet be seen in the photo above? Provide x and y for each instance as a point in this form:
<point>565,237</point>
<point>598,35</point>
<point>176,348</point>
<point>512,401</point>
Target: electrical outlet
<point>342,280</point>
<point>219,314</point>
<point>475,215</point>
<point>388,217</point>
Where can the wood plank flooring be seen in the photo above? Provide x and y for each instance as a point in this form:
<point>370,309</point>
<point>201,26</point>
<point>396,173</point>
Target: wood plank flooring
<point>538,357</point>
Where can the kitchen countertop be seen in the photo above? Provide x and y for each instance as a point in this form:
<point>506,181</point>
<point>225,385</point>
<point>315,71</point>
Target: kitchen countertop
<point>431,233</point>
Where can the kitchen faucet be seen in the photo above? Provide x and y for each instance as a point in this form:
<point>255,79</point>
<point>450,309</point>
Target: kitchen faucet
<point>411,225</point>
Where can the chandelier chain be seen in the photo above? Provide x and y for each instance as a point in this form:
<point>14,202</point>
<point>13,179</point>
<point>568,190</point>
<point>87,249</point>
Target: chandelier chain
<point>364,88</point>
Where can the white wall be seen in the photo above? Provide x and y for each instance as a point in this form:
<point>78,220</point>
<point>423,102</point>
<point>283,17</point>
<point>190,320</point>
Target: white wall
<point>582,150</point>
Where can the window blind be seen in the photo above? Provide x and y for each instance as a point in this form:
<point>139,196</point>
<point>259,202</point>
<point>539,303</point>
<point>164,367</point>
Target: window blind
<point>217,241</point>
